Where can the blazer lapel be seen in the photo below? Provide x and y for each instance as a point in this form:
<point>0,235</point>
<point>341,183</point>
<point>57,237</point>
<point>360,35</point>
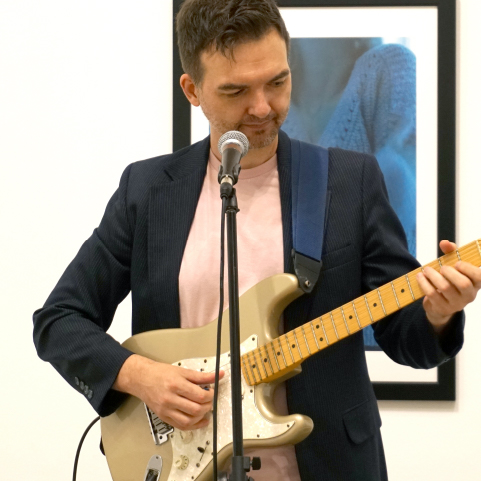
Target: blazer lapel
<point>284,168</point>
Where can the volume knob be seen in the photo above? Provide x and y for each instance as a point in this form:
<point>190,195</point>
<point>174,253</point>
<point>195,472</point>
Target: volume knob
<point>182,462</point>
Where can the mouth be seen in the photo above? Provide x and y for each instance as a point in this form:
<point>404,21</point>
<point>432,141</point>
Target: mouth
<point>258,126</point>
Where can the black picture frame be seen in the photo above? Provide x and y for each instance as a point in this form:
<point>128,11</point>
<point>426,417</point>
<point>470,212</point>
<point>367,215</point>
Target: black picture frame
<point>445,387</point>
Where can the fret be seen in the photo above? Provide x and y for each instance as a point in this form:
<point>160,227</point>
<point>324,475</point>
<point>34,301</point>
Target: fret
<point>458,254</point>
<point>334,325</point>
<point>440,263</point>
<point>382,303</point>
<point>395,295</point>
<point>260,359</point>
<point>479,248</point>
<point>297,343</point>
<point>345,322</point>
<point>253,366</point>
<point>357,317</point>
<point>289,347</point>
<point>368,310</point>
<point>409,285</point>
<point>324,331</point>
<point>268,359</point>
<point>246,371</point>
<point>305,339</point>
<point>315,337</point>
<point>275,355</point>
<point>281,351</point>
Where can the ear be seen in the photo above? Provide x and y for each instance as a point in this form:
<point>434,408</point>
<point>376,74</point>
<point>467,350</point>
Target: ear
<point>190,90</point>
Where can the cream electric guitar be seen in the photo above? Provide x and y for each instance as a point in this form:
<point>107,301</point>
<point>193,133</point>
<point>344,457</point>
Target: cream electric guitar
<point>141,447</point>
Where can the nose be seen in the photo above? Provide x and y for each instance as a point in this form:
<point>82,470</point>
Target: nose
<point>259,106</point>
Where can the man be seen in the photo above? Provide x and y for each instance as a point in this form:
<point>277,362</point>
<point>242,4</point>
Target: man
<point>235,57</point>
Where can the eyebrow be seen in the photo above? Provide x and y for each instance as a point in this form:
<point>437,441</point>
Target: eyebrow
<point>231,86</point>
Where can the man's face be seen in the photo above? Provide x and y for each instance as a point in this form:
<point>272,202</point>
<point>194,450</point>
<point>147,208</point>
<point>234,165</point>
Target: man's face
<point>251,93</point>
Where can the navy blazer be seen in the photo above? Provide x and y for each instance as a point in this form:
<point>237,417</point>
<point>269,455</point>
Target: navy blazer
<point>138,247</point>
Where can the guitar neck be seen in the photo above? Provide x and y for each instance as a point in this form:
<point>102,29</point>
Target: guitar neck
<point>281,355</point>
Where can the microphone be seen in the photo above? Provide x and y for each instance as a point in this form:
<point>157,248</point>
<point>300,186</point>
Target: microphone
<point>233,145</point>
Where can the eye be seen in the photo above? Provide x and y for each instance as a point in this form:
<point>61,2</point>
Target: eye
<point>279,83</point>
<point>236,93</point>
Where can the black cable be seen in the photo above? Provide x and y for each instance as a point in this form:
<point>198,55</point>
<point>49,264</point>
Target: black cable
<point>219,333</point>
<point>80,447</point>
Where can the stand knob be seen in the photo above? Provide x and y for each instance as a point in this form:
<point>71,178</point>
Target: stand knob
<point>256,464</point>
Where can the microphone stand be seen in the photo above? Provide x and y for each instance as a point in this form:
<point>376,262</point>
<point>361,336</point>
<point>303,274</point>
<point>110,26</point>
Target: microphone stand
<point>240,463</point>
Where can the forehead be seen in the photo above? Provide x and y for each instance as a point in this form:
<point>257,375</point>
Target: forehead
<point>251,62</point>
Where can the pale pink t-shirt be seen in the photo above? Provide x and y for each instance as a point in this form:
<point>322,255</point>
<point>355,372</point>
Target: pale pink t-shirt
<point>260,255</point>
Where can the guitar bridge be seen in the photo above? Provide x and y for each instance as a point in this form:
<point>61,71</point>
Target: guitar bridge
<point>159,429</point>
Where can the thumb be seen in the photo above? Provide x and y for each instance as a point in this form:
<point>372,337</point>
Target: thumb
<point>447,246</point>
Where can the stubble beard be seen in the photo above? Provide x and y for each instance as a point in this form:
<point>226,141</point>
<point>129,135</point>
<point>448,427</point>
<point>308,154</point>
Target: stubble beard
<point>258,139</point>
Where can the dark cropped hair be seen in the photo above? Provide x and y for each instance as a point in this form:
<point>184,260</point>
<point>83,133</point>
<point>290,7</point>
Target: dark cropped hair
<point>222,25</point>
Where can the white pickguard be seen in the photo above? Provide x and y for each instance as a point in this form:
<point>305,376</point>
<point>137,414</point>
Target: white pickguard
<point>189,461</point>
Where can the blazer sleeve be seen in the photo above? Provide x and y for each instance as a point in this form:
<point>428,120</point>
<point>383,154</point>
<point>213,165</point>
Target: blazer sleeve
<point>407,337</point>
<point>70,329</point>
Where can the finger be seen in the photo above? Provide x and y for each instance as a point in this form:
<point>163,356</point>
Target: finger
<point>470,271</point>
<point>427,286</point>
<point>194,410</point>
<point>460,281</point>
<point>456,288</point>
<point>434,302</point>
<point>447,246</point>
<point>184,422</point>
<point>437,280</point>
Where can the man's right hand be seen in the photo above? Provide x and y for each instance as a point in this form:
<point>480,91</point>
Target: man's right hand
<point>173,393</point>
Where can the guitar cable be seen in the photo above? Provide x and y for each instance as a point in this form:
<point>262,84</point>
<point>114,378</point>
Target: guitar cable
<point>77,455</point>
<point>219,333</point>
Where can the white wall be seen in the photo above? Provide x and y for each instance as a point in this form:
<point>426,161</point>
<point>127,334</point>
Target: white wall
<point>85,89</point>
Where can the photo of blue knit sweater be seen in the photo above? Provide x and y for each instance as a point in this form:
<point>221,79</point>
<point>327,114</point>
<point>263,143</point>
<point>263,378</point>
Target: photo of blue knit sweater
<point>360,94</point>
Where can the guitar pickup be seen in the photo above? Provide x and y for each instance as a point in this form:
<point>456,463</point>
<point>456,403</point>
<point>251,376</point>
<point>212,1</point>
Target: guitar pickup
<point>159,429</point>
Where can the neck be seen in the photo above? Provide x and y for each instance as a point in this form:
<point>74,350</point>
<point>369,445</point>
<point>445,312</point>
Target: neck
<point>254,157</point>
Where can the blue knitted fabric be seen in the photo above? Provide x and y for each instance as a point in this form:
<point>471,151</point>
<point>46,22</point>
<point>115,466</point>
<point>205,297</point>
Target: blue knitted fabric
<point>377,115</point>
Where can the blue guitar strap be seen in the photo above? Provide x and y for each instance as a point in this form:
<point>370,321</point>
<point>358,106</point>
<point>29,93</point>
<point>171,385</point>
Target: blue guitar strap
<point>310,204</point>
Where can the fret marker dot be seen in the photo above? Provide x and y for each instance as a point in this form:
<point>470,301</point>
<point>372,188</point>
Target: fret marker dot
<point>265,360</point>
<point>402,290</point>
<point>321,339</point>
<point>253,366</point>
<point>278,353</point>
<point>350,317</point>
<point>293,346</point>
<point>375,305</point>
<point>317,327</point>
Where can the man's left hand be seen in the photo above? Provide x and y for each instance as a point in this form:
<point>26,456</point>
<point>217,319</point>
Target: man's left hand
<point>448,291</point>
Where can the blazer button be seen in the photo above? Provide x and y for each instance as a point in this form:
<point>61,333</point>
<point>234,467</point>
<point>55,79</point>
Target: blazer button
<point>86,389</point>
<point>77,381</point>
<point>90,394</point>
<point>81,385</point>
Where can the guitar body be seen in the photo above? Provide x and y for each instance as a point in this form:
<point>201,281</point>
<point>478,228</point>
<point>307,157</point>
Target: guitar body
<point>130,445</point>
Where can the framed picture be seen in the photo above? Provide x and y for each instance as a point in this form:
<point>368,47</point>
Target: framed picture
<point>376,76</point>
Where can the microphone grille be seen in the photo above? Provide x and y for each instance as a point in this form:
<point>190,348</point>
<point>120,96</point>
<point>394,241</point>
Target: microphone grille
<point>234,135</point>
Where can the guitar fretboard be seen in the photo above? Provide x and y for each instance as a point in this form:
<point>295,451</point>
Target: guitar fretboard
<point>276,358</point>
